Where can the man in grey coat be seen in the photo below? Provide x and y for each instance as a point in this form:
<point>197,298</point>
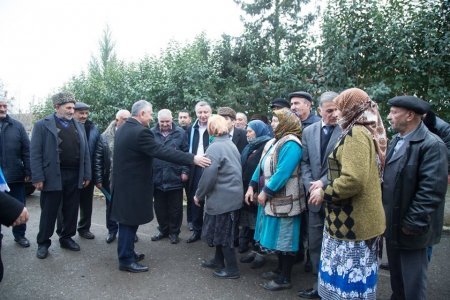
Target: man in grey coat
<point>60,168</point>
<point>318,142</point>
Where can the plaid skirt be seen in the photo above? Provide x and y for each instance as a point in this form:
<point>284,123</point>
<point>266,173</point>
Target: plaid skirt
<point>221,229</point>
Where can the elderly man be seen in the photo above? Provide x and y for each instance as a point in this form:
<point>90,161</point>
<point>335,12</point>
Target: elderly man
<point>198,139</point>
<point>301,103</point>
<point>60,168</point>
<point>132,188</point>
<point>238,136</point>
<point>168,179</point>
<point>86,195</point>
<point>15,162</point>
<point>414,187</point>
<point>241,121</point>
<point>318,142</point>
<point>184,119</point>
<point>103,167</point>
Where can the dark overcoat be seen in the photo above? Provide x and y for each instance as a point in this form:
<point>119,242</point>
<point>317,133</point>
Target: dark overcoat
<point>132,180</point>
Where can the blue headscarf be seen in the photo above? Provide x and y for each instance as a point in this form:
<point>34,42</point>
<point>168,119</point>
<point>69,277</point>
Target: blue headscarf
<point>259,127</point>
<point>262,136</point>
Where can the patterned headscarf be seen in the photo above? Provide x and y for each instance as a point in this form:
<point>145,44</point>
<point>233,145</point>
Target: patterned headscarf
<point>289,124</point>
<point>357,108</point>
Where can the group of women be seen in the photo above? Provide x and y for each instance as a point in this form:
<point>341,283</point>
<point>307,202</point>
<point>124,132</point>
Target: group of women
<point>275,198</point>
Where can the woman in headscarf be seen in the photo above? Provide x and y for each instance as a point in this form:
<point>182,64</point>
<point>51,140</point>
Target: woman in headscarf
<point>280,198</point>
<point>257,136</point>
<point>354,215</point>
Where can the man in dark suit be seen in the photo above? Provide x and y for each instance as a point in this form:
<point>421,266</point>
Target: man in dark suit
<point>318,141</point>
<point>238,136</point>
<point>60,168</point>
<point>132,187</point>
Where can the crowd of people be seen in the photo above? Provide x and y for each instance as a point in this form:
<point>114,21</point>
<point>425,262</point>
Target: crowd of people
<point>324,188</point>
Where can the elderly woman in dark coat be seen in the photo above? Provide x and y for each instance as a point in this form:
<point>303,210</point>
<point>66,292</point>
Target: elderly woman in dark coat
<point>221,188</point>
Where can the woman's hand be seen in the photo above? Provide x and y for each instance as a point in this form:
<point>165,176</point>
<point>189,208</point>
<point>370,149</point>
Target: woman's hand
<point>248,198</point>
<point>262,198</point>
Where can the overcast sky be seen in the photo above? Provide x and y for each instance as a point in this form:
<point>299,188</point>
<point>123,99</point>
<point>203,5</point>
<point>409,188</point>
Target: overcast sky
<point>44,43</point>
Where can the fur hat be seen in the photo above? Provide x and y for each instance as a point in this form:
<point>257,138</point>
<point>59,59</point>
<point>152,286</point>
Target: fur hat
<point>63,98</point>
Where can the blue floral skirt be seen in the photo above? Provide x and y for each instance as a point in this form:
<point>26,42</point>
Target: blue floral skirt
<point>348,269</point>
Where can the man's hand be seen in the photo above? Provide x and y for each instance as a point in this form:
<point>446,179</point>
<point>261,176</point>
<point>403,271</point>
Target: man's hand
<point>315,198</point>
<point>262,198</point>
<point>315,185</point>
<point>99,185</point>
<point>184,177</point>
<point>23,217</point>
<point>196,201</point>
<point>39,185</point>
<point>201,161</point>
<point>86,183</point>
<point>248,198</point>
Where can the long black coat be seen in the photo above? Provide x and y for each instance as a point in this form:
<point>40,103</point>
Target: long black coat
<point>132,186</point>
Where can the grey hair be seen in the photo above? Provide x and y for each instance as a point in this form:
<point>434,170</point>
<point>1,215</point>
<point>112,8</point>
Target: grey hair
<point>165,113</point>
<point>121,112</point>
<point>244,116</point>
<point>327,97</point>
<point>202,103</point>
<point>139,106</point>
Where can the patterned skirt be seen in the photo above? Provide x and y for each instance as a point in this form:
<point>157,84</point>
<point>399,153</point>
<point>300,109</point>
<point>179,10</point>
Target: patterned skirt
<point>348,269</point>
<point>277,235</point>
<point>221,229</point>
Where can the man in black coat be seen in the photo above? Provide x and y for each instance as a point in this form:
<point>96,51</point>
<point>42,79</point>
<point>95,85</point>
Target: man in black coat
<point>15,162</point>
<point>132,186</point>
<point>12,212</point>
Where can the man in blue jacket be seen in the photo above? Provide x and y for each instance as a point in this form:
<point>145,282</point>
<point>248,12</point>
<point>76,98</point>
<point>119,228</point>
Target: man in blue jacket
<point>15,162</point>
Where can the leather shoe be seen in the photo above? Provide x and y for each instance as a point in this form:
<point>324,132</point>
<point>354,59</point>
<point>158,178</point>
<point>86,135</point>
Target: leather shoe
<point>309,294</point>
<point>384,266</point>
<point>243,249</point>
<point>273,286</point>
<point>158,237</point>
<point>111,237</point>
<point>174,239</point>
<point>69,244</point>
<point>248,258</point>
<point>270,275</point>
<point>22,241</point>
<point>194,237</point>
<point>86,234</point>
<point>133,268</point>
<point>212,264</point>
<point>226,275</point>
<point>136,239</point>
<point>42,252</point>
<point>138,256</point>
<point>258,262</point>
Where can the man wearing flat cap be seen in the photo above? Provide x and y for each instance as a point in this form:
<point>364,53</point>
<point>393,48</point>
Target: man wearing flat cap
<point>238,136</point>
<point>60,168</point>
<point>414,187</point>
<point>301,103</point>
<point>279,103</point>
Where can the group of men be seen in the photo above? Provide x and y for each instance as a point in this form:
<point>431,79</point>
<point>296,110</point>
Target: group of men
<point>131,163</point>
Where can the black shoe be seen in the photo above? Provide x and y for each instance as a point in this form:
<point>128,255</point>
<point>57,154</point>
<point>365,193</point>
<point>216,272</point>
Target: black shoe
<point>194,237</point>
<point>212,264</point>
<point>111,237</point>
<point>136,239</point>
<point>309,294</point>
<point>158,237</point>
<point>42,252</point>
<point>308,266</point>
<point>22,241</point>
<point>86,234</point>
<point>270,275</point>
<point>174,239</point>
<point>69,244</point>
<point>133,268</point>
<point>190,226</point>
<point>258,262</point>
<point>226,275</point>
<point>243,249</point>
<point>273,286</point>
<point>384,266</point>
<point>248,258</point>
<point>138,256</point>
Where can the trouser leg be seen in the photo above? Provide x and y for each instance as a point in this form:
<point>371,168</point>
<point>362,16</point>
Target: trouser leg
<point>287,261</point>
<point>197,211</point>
<point>86,199</point>
<point>161,206</point>
<point>17,190</point>
<point>70,203</point>
<point>315,236</point>
<point>230,259</point>
<point>125,244</point>
<point>50,203</point>
<point>175,210</point>
<point>112,226</point>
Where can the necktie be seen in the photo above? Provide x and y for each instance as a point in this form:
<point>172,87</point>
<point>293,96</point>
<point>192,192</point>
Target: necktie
<point>327,129</point>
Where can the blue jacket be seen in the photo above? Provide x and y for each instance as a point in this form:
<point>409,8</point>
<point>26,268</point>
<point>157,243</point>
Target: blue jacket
<point>167,175</point>
<point>45,162</point>
<point>15,148</point>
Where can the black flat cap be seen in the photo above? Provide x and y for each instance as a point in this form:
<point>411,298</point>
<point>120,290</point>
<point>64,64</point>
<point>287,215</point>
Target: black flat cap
<point>411,103</point>
<point>301,94</point>
<point>81,106</point>
<point>280,103</point>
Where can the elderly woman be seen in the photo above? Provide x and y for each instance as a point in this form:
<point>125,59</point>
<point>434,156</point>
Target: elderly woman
<point>280,197</point>
<point>354,213</point>
<point>258,135</point>
<point>221,188</point>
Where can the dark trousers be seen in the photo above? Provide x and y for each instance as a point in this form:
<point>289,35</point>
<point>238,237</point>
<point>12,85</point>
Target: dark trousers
<point>86,197</point>
<point>169,210</point>
<point>112,226</point>
<point>196,211</point>
<point>315,235</point>
<point>125,244</point>
<point>17,190</point>
<point>408,270</point>
<point>67,200</point>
